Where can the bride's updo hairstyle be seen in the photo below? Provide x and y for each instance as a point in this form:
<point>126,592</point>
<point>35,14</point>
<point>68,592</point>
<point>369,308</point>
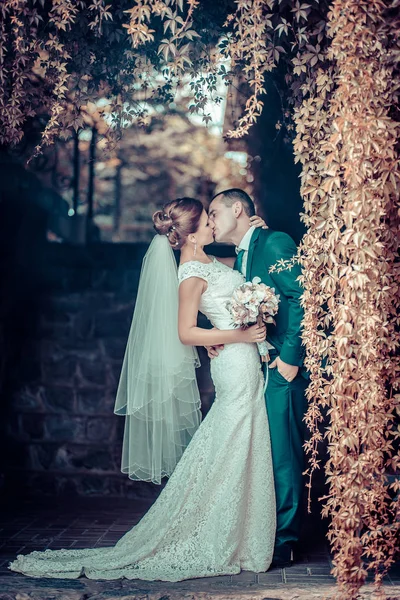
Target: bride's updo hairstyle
<point>178,219</point>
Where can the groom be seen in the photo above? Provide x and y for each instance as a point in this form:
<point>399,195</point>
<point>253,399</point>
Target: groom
<point>257,250</point>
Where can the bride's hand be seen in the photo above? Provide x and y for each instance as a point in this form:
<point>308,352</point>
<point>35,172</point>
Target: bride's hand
<point>257,221</point>
<point>255,333</point>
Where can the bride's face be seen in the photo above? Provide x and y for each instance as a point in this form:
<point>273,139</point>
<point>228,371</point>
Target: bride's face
<point>222,220</point>
<point>204,234</point>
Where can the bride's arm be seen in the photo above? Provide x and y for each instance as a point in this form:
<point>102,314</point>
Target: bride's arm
<point>190,292</point>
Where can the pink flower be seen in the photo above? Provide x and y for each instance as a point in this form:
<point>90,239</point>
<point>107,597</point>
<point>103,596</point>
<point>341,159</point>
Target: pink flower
<point>252,299</point>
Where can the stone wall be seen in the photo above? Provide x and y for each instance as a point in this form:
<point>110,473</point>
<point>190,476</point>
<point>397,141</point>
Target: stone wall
<point>61,435</point>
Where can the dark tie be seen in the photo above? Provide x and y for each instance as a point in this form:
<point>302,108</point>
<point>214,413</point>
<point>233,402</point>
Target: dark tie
<point>239,261</point>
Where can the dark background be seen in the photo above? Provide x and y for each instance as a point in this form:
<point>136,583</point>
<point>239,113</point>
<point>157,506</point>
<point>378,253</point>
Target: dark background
<point>65,313</point>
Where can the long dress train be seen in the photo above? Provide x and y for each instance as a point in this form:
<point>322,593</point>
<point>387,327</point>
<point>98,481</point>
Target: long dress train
<point>216,515</point>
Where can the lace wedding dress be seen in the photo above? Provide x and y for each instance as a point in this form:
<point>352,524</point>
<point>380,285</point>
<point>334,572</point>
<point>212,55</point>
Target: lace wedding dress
<point>216,515</point>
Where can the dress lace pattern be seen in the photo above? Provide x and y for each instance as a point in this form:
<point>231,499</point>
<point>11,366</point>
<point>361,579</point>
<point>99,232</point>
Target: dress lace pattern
<point>216,515</point>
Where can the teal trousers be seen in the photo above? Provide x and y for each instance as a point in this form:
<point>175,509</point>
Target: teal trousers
<point>286,406</point>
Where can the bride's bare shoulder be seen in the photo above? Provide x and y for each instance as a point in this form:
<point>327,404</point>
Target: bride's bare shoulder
<point>229,261</point>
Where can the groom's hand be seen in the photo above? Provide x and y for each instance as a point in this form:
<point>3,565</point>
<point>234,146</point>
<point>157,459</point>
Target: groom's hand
<point>213,351</point>
<point>287,371</point>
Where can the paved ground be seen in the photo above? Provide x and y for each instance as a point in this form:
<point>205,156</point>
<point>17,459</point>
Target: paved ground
<point>93,523</point>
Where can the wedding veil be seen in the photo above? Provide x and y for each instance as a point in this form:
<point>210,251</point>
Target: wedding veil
<point>157,391</point>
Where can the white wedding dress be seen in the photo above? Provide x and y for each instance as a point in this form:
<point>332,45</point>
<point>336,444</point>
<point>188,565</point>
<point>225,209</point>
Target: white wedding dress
<point>216,515</point>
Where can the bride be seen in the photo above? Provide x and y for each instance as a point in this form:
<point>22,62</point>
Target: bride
<point>216,515</point>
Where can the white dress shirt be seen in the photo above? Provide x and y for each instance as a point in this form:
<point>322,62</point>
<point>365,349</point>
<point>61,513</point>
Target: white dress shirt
<point>245,245</point>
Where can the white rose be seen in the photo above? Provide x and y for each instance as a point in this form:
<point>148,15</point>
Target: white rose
<point>247,295</point>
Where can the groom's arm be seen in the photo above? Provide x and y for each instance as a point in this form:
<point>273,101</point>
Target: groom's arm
<point>281,246</point>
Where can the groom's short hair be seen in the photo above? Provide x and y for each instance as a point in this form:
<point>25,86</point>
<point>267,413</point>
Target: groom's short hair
<point>229,197</point>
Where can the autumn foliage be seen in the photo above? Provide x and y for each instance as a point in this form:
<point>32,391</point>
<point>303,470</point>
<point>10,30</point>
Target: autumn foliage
<point>340,63</point>
<point>346,142</point>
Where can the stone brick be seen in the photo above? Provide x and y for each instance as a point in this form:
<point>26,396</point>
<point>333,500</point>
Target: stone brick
<point>91,458</point>
<point>114,376</point>
<point>131,282</point>
<point>63,428</point>
<point>90,372</point>
<point>101,429</point>
<point>30,398</point>
<point>65,302</point>
<point>54,331</point>
<point>93,486</point>
<point>67,486</point>
<point>58,370</point>
<point>32,426</point>
<point>115,324</point>
<point>274,576</point>
<point>68,348</point>
<point>84,325</point>
<point>42,456</point>
<point>108,400</point>
<point>41,483</point>
<point>59,399</point>
<point>62,457</point>
<point>98,300</point>
<point>54,313</point>
<point>120,485</point>
<point>89,400</point>
<point>114,348</point>
<point>74,303</point>
<point>78,279</point>
<point>120,424</point>
<point>107,279</point>
<point>74,458</point>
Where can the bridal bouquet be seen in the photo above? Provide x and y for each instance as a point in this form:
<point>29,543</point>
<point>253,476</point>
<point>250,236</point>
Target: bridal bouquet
<point>254,302</point>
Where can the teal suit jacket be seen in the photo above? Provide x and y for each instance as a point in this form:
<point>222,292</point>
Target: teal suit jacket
<point>266,248</point>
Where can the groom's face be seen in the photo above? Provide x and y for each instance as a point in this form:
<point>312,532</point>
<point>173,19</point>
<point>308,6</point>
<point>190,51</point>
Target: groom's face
<point>222,220</point>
